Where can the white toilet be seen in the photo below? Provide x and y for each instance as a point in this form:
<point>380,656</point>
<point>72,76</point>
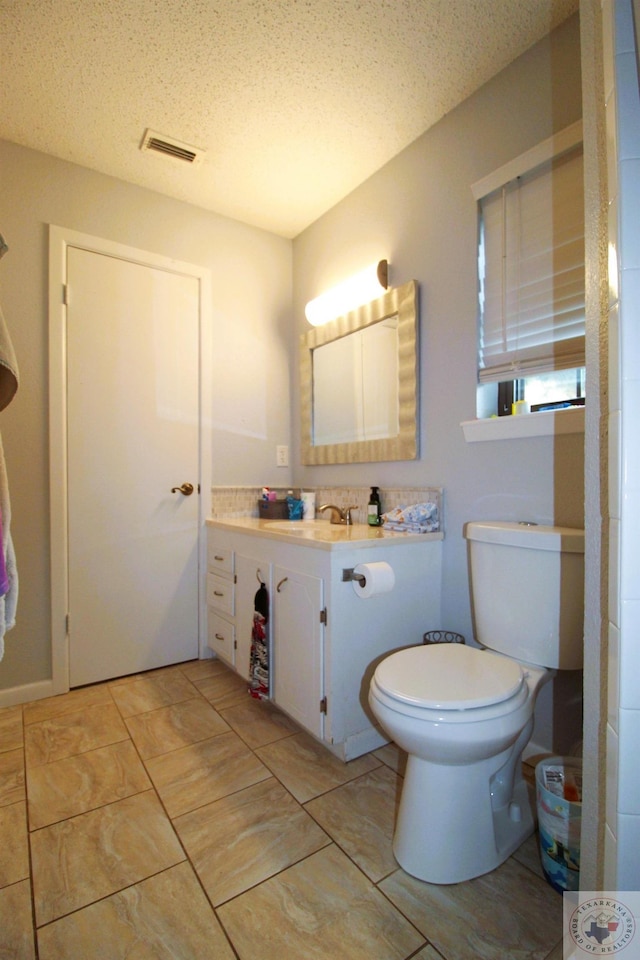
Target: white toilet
<point>464,715</point>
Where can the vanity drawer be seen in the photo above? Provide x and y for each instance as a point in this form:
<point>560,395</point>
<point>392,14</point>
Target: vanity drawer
<point>221,637</point>
<point>220,593</point>
<point>219,560</point>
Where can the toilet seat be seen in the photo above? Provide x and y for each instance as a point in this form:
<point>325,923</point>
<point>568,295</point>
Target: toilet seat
<point>449,677</point>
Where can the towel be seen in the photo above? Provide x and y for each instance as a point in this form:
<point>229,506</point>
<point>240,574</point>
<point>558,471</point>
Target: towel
<point>4,577</point>
<point>9,586</point>
<point>8,601</point>
<point>416,518</point>
<point>259,657</point>
<point>8,366</point>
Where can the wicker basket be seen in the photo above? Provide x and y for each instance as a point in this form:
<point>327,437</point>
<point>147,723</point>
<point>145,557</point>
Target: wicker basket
<point>273,510</point>
<point>442,636</point>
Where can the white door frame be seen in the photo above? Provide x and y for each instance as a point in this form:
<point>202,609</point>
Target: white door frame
<point>59,240</point>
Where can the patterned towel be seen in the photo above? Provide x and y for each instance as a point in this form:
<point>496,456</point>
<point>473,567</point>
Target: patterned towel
<point>415,518</point>
<point>259,658</point>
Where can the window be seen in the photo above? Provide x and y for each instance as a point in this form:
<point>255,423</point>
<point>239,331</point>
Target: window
<point>531,276</point>
<point>544,391</point>
<point>552,390</point>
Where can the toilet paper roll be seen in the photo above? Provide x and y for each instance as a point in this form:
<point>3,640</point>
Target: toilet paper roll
<point>379,578</point>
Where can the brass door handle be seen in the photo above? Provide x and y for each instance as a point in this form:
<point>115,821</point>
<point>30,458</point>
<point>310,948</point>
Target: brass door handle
<point>185,488</point>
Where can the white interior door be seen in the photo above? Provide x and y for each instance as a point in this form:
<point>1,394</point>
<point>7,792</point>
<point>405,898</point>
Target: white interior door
<point>132,435</point>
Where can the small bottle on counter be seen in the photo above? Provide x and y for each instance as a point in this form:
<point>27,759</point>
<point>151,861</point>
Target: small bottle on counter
<point>374,510</point>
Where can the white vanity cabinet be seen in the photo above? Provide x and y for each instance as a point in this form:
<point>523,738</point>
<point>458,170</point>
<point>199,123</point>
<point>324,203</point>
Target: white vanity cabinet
<point>326,640</point>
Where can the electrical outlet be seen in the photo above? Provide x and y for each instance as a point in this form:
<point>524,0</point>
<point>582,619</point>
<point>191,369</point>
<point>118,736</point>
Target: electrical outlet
<point>282,456</point>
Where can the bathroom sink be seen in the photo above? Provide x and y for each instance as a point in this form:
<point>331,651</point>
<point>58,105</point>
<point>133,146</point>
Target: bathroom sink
<point>321,530</point>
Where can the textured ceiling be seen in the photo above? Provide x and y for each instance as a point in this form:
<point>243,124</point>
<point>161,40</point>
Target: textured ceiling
<point>295,102</point>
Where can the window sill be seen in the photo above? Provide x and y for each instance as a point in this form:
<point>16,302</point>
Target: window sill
<point>545,423</point>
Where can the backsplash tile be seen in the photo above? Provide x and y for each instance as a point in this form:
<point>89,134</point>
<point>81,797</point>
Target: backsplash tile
<point>242,501</point>
<point>238,501</point>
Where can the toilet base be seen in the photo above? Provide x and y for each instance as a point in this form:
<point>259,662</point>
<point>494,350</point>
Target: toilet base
<point>448,830</point>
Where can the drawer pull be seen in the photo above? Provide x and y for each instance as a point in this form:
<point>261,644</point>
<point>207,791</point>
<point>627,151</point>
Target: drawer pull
<point>219,559</point>
<point>218,593</point>
<point>219,636</point>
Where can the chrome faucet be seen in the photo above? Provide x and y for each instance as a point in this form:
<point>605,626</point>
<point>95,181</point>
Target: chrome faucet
<point>338,515</point>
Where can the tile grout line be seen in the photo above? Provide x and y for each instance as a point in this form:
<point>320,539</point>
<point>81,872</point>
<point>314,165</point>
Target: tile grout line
<point>34,937</point>
<point>214,908</point>
<point>198,694</point>
<point>331,841</point>
<point>106,685</point>
<point>302,805</point>
<point>169,819</point>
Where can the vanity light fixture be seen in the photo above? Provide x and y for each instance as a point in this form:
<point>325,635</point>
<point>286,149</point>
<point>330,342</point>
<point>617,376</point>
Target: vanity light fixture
<point>361,288</point>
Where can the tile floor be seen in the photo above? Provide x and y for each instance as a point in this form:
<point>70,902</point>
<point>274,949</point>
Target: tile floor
<point>169,815</point>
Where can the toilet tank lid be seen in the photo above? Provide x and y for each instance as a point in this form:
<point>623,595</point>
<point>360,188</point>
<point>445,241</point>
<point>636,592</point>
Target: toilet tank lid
<point>527,535</point>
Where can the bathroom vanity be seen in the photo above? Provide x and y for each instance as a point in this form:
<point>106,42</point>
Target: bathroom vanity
<point>325,639</point>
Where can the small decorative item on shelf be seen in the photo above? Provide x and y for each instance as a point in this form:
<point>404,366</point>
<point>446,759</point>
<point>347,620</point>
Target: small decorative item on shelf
<point>442,636</point>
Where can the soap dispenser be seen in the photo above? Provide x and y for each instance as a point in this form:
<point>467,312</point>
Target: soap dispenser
<point>374,510</point>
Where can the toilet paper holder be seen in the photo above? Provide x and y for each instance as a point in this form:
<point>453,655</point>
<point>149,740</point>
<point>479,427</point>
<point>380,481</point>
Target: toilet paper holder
<point>348,573</point>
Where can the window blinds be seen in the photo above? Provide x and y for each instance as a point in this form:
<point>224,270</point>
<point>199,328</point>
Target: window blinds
<point>531,269</point>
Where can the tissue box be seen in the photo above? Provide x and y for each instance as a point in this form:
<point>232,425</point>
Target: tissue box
<point>273,510</point>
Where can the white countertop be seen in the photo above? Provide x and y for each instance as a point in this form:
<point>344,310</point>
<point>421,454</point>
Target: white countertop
<point>321,533</point>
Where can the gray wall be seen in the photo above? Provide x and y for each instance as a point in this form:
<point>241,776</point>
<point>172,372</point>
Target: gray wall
<point>251,298</point>
<point>418,211</point>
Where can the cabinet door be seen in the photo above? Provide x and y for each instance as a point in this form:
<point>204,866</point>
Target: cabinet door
<point>249,573</point>
<point>297,647</point>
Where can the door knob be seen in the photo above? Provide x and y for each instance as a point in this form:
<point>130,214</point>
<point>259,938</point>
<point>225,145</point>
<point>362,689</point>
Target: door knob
<point>185,488</point>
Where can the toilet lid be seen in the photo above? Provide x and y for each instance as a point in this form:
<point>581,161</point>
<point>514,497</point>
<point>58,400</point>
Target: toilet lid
<point>449,676</point>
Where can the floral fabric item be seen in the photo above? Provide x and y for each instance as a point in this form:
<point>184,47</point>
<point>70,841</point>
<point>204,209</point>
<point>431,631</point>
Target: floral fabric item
<point>259,658</point>
<point>416,518</point>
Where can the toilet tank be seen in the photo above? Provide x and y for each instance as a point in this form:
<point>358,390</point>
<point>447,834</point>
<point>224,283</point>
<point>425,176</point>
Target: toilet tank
<point>527,590</point>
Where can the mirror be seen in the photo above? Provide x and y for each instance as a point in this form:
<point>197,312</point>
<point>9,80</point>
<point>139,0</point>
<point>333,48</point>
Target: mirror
<point>365,363</point>
<point>358,383</point>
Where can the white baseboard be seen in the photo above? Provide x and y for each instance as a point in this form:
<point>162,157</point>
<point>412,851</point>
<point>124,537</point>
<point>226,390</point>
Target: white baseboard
<point>26,693</point>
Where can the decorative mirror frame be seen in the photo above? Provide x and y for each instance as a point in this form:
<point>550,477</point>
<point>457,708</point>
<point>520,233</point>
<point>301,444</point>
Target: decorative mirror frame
<point>403,302</point>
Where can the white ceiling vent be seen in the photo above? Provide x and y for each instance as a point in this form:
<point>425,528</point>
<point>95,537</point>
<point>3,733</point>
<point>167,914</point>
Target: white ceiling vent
<point>154,142</point>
